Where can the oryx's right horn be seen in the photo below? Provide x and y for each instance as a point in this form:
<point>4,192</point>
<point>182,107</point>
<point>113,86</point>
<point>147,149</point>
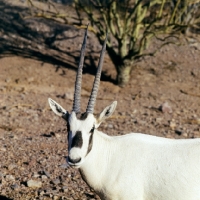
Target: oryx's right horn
<point>77,93</point>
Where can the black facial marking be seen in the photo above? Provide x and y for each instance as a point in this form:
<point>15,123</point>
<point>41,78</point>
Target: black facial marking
<point>108,111</point>
<point>68,130</point>
<point>90,143</point>
<point>92,130</point>
<point>81,116</point>
<point>90,140</point>
<point>77,141</point>
<point>58,108</point>
<point>65,116</point>
<point>68,127</point>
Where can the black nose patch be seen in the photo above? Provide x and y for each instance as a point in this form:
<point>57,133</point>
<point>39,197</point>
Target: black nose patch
<point>77,140</point>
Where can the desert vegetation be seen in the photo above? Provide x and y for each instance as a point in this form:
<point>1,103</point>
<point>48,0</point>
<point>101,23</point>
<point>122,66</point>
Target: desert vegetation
<point>132,26</point>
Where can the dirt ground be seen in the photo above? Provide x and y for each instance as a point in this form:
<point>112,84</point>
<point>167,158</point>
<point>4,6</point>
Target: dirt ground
<point>38,60</point>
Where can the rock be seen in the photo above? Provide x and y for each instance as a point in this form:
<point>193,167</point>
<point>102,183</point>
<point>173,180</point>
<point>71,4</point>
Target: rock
<point>55,197</point>
<point>1,135</point>
<point>172,125</point>
<point>36,175</point>
<point>64,166</point>
<point>165,108</point>
<point>47,173</point>
<point>30,79</point>
<point>44,177</point>
<point>110,126</point>
<point>185,135</point>
<point>1,174</point>
<point>34,184</point>
<point>2,149</point>
<point>10,178</point>
<point>15,137</point>
<point>11,167</point>
<point>57,135</point>
<point>7,80</point>
<point>15,186</point>
<point>65,189</point>
<point>159,119</point>
<point>141,122</point>
<point>69,95</point>
<point>41,193</point>
<point>56,181</point>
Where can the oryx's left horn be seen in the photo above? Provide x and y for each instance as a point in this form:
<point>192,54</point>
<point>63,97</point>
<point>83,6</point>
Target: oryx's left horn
<point>77,93</point>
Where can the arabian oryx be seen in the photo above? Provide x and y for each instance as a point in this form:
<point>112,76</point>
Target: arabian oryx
<point>130,167</point>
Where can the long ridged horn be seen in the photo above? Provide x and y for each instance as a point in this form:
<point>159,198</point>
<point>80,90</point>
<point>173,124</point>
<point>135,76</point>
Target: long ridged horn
<point>77,93</point>
<point>92,100</point>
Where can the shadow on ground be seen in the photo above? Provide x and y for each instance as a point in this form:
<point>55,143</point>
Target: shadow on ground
<point>4,198</point>
<point>41,39</point>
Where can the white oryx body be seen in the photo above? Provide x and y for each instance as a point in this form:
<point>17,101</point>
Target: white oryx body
<point>129,167</point>
<point>142,167</point>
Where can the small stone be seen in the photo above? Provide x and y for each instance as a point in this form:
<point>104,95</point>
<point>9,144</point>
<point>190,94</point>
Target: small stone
<point>172,125</point>
<point>3,191</point>
<point>56,181</point>
<point>30,79</point>
<point>165,108</point>
<point>141,122</point>
<point>185,135</point>
<point>8,80</point>
<point>35,175</point>
<point>159,119</point>
<point>57,135</point>
<point>55,197</point>
<point>15,137</point>
<point>1,135</point>
<point>11,166</point>
<point>65,189</point>
<point>34,184</point>
<point>1,175</point>
<point>15,186</point>
<point>69,95</point>
<point>42,161</point>
<point>64,166</point>
<point>47,173</point>
<point>110,126</point>
<point>41,193</point>
<point>3,182</point>
<point>44,177</point>
<point>2,149</point>
<point>10,177</point>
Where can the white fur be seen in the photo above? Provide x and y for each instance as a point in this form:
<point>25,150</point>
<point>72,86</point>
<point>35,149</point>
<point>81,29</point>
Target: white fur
<point>143,167</point>
<point>138,166</point>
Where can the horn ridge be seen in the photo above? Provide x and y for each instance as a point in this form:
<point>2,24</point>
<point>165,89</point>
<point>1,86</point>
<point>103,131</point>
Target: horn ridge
<point>92,100</point>
<point>77,91</point>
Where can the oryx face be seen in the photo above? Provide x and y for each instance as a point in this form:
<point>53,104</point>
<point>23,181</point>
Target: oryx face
<point>80,135</point>
<point>81,126</point>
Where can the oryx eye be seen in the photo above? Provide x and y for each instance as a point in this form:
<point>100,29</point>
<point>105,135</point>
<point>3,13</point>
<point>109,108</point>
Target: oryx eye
<point>92,130</point>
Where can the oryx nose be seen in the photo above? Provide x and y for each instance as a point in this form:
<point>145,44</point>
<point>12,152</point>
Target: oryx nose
<point>74,161</point>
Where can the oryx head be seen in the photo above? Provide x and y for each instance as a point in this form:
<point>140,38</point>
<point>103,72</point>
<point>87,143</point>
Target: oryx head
<point>81,126</point>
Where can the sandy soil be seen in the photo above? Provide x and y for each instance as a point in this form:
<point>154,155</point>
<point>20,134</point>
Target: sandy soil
<point>38,60</point>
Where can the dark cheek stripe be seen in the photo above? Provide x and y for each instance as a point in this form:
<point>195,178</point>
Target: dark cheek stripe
<point>77,141</point>
<point>90,143</point>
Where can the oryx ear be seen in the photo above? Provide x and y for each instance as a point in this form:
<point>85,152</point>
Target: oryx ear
<point>107,112</point>
<point>57,109</point>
